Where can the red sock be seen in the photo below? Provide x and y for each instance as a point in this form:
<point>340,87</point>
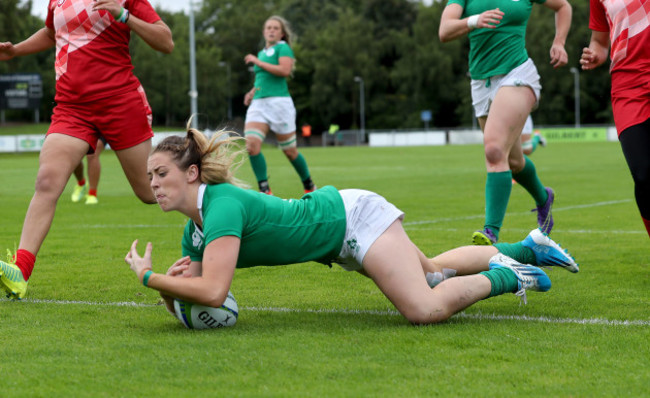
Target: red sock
<point>25,261</point>
<point>81,182</point>
<point>647,225</point>
<point>92,192</point>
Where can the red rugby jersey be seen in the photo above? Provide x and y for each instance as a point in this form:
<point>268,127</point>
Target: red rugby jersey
<point>92,49</point>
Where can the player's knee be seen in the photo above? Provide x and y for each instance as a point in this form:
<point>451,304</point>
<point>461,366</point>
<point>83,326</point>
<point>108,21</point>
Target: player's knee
<point>290,153</point>
<point>48,182</point>
<point>146,196</point>
<point>253,146</point>
<point>423,310</point>
<point>147,201</point>
<point>494,154</point>
<point>422,314</point>
<point>516,165</point>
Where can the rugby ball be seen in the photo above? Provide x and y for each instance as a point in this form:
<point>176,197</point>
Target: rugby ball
<point>196,316</point>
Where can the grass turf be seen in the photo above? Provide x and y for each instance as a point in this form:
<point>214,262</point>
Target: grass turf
<point>87,328</point>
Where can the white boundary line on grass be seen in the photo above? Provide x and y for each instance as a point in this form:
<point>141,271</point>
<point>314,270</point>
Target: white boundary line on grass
<point>472,217</point>
<point>479,316</point>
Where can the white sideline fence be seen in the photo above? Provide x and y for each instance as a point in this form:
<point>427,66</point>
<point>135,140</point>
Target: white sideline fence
<point>372,138</point>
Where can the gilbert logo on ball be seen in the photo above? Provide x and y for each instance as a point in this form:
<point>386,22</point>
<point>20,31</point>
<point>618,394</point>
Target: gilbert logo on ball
<point>196,316</point>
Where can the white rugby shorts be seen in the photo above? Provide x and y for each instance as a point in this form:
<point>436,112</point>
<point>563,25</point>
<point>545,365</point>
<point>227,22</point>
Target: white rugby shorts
<point>278,113</point>
<point>368,215</point>
<point>524,75</point>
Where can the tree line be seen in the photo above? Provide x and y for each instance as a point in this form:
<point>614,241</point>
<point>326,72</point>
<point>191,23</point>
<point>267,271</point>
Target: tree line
<point>392,45</point>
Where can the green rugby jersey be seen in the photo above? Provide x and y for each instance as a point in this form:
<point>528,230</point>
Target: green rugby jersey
<point>267,84</point>
<point>273,231</point>
<point>497,51</point>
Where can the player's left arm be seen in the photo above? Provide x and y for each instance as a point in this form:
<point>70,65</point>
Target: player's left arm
<point>563,12</point>
<point>210,288</point>
<point>283,69</point>
<point>157,34</point>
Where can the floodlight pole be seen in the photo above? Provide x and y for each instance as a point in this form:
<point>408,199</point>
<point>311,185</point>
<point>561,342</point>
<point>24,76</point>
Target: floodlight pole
<point>576,94</point>
<point>362,110</point>
<point>194,94</point>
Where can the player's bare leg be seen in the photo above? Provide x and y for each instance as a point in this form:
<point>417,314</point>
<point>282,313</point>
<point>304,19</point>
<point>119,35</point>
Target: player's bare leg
<point>134,164</point>
<point>59,157</point>
<point>395,266</point>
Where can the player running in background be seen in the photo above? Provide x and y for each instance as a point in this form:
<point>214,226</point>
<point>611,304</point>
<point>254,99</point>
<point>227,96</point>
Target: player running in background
<point>626,26</point>
<point>505,89</point>
<point>531,138</point>
<point>88,191</point>
<point>230,227</point>
<point>270,107</point>
<point>97,95</point>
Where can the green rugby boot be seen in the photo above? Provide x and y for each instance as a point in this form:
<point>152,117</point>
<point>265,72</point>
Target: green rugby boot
<point>12,280</point>
<point>78,192</point>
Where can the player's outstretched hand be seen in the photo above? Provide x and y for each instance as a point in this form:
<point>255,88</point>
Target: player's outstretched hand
<point>7,51</point>
<point>138,264</point>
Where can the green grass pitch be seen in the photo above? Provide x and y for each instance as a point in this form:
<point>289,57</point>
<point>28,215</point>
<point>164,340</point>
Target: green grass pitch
<point>88,328</point>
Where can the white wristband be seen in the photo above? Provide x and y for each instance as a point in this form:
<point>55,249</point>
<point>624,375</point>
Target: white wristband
<point>472,22</point>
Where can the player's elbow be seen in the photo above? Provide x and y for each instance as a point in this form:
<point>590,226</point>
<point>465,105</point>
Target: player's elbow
<point>444,34</point>
<point>215,298</point>
<point>168,47</point>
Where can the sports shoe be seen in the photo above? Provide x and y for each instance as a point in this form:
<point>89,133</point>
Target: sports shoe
<point>542,139</point>
<point>484,237</point>
<point>529,277</point>
<point>78,192</point>
<point>91,200</point>
<point>264,187</point>
<point>549,253</point>
<point>12,280</point>
<point>544,215</point>
<point>309,185</point>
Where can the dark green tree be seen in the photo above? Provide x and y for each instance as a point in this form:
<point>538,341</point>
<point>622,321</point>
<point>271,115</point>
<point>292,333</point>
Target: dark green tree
<point>392,44</point>
<point>16,25</point>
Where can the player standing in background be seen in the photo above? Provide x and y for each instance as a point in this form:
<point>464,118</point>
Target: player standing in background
<point>88,191</point>
<point>270,105</point>
<point>626,26</point>
<point>230,227</point>
<point>505,89</point>
<point>97,95</point>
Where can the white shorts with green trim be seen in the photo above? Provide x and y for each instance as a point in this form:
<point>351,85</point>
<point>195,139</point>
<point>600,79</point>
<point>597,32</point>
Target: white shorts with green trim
<point>368,216</point>
<point>278,113</point>
<point>484,90</point>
